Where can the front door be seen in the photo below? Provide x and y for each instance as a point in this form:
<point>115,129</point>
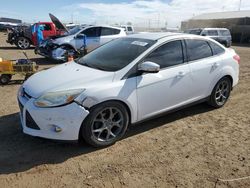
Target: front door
<point>167,89</point>
<point>92,38</point>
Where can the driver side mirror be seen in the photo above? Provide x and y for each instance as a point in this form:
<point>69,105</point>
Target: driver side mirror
<point>149,67</point>
<point>203,34</point>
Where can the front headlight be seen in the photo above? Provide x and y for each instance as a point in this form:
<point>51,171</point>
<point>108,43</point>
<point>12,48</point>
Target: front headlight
<point>54,99</point>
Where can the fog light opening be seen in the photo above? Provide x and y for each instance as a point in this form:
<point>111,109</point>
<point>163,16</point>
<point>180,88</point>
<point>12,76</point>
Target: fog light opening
<point>57,129</point>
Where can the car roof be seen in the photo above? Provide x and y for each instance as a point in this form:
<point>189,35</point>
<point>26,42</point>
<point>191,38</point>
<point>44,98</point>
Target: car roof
<point>215,29</point>
<point>153,35</point>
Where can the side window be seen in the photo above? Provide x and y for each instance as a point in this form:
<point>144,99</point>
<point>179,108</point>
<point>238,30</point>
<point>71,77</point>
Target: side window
<point>198,49</point>
<point>225,32</point>
<point>92,32</point>
<point>212,32</point>
<point>47,27</point>
<point>167,55</point>
<point>109,31</point>
<point>216,48</point>
<point>130,29</point>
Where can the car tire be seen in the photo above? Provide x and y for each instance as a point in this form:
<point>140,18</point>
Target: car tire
<point>220,93</point>
<point>105,124</point>
<point>23,43</point>
<point>5,79</point>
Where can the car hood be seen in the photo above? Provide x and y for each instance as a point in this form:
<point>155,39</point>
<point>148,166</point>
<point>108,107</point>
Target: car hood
<point>62,40</point>
<point>57,23</point>
<point>65,77</point>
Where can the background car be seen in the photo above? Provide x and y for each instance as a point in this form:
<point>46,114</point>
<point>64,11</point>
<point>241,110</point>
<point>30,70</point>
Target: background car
<point>222,35</point>
<point>95,37</point>
<point>125,81</point>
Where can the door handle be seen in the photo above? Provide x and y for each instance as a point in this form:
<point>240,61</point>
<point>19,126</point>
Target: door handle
<point>181,74</point>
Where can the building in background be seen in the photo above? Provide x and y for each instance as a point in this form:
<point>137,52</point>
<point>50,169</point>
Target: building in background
<point>238,22</point>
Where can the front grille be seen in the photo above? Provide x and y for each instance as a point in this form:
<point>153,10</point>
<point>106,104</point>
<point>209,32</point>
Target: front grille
<point>30,122</point>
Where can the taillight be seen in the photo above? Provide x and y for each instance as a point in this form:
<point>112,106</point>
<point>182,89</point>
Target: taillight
<point>237,58</point>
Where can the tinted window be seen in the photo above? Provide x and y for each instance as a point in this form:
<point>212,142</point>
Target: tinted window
<point>225,32</point>
<point>109,31</point>
<point>194,31</point>
<point>198,49</point>
<point>212,32</point>
<point>130,29</point>
<point>116,54</point>
<point>92,32</point>
<point>167,55</point>
<point>216,48</point>
<point>46,27</point>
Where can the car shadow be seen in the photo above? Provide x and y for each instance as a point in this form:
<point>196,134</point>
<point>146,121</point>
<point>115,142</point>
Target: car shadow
<point>13,48</point>
<point>20,152</point>
<point>44,61</point>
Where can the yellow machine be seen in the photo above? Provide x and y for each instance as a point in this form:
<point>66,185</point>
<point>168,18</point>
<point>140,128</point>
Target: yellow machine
<point>9,68</point>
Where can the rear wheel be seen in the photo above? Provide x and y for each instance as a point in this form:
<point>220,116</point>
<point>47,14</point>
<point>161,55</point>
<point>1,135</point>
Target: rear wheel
<point>221,93</point>
<point>105,124</point>
<point>23,43</point>
<point>5,79</point>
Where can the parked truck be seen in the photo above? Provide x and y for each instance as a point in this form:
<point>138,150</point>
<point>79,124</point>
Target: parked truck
<point>25,36</point>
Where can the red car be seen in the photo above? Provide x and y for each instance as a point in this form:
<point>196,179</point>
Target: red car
<point>23,37</point>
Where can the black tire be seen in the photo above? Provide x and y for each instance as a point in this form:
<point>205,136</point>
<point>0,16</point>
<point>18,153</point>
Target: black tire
<point>90,124</point>
<point>219,98</point>
<point>23,43</point>
<point>5,79</point>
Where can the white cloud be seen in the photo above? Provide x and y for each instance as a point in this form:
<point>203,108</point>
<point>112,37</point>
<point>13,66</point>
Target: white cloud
<point>154,13</point>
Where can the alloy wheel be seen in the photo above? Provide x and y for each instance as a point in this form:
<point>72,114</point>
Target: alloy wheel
<point>23,43</point>
<point>107,124</point>
<point>222,92</point>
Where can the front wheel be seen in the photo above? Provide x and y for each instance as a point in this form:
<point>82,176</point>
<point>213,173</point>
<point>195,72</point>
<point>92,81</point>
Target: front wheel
<point>5,78</point>
<point>23,43</point>
<point>221,93</point>
<point>106,124</point>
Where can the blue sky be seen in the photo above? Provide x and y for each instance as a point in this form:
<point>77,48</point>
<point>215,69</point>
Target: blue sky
<point>139,12</point>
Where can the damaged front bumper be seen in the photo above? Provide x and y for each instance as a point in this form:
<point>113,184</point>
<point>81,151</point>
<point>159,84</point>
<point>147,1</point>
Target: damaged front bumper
<point>59,123</point>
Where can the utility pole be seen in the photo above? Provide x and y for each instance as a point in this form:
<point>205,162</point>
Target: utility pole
<point>239,5</point>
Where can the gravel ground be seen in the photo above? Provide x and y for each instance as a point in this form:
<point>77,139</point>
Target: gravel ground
<point>193,147</point>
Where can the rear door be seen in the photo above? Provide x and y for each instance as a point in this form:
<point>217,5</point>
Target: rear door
<point>108,34</point>
<point>170,87</point>
<point>204,66</point>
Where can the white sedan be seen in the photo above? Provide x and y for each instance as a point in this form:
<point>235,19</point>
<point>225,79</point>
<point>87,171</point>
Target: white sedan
<point>123,82</point>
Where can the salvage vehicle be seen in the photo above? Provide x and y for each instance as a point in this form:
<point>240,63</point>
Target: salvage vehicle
<point>24,37</point>
<point>9,68</point>
<point>126,81</point>
<point>96,36</point>
<point>221,35</point>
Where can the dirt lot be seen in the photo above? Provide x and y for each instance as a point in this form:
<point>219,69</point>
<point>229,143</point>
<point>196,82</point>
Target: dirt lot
<point>190,148</point>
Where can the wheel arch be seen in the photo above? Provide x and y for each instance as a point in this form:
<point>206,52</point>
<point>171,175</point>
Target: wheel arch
<point>109,100</point>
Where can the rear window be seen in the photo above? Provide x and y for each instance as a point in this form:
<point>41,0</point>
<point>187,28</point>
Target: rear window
<point>216,48</point>
<point>109,31</point>
<point>198,49</point>
<point>225,32</point>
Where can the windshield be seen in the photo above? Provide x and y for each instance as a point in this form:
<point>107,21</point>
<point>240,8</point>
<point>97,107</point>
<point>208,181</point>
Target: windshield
<point>116,54</point>
<point>74,30</point>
